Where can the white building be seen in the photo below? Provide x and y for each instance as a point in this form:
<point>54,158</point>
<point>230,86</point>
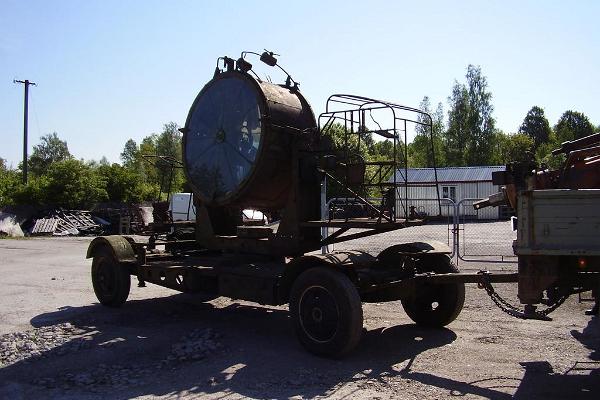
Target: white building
<point>456,183</point>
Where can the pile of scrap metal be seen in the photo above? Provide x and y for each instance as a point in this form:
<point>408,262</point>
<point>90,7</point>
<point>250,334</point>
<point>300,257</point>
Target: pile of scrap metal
<point>103,219</point>
<point>123,218</point>
<point>68,223</point>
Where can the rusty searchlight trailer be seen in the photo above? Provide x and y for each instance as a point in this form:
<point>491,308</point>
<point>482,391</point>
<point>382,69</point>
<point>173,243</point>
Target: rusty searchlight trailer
<point>250,143</point>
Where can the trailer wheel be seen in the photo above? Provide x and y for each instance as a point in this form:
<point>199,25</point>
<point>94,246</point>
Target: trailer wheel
<point>111,280</point>
<point>435,305</point>
<point>326,312</point>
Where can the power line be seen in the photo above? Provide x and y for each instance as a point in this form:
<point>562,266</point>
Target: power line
<point>26,84</point>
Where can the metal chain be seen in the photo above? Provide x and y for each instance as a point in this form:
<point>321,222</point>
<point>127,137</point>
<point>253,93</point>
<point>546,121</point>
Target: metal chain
<point>516,312</point>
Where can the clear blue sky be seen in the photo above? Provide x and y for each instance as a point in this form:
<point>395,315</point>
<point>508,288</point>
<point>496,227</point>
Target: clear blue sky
<point>108,71</point>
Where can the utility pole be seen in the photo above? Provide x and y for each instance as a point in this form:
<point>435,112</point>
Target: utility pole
<point>26,83</point>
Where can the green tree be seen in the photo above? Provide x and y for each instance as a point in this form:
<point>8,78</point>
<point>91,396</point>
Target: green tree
<point>148,145</point>
<point>498,144</point>
<point>455,138</point>
<point>152,169</point>
<point>169,144</point>
<point>366,150</point>
<point>34,193</point>
<point>9,182</point>
<point>68,183</point>
<point>536,126</point>
<point>146,166</point>
<point>153,172</point>
<point>480,121</point>
<point>420,154</point>
<point>572,125</point>
<point>384,149</point>
<point>73,184</point>
<point>126,185</point>
<point>516,147</point>
<point>543,153</point>
<point>471,127</point>
<point>131,153</point>
<point>50,150</point>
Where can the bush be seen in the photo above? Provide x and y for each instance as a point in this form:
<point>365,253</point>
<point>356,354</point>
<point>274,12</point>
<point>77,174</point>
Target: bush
<point>126,185</point>
<point>73,184</point>
<point>34,193</point>
<point>10,181</point>
<point>69,184</point>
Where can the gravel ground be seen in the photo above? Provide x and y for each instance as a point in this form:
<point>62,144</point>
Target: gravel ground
<point>57,342</point>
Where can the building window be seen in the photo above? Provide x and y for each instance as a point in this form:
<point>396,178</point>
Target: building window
<point>449,192</point>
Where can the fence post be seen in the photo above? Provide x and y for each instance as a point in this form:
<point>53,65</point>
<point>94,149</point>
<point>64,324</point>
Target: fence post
<point>324,216</point>
<point>456,230</point>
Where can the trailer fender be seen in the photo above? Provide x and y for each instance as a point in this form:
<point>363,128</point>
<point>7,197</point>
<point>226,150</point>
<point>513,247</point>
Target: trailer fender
<point>344,261</point>
<point>414,248</point>
<point>119,245</point>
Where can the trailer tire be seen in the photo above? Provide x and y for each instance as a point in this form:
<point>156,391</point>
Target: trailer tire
<point>435,305</point>
<point>326,312</point>
<point>110,279</point>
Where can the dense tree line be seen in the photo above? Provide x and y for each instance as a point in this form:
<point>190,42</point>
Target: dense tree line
<point>58,179</point>
<point>465,136</point>
<point>469,135</point>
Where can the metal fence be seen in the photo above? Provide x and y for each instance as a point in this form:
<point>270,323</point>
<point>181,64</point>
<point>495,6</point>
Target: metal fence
<point>471,239</point>
<point>482,240</point>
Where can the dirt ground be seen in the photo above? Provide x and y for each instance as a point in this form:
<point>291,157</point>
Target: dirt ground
<point>57,342</point>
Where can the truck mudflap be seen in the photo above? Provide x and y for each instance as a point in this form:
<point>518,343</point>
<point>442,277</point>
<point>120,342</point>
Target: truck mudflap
<point>119,245</point>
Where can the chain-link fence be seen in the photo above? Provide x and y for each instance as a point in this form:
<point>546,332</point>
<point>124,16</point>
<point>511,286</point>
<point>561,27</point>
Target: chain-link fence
<point>473,236</point>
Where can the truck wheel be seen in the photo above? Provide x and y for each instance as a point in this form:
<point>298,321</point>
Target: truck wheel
<point>326,312</point>
<point>435,305</point>
<point>111,280</point>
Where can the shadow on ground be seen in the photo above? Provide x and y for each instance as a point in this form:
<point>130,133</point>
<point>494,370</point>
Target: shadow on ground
<point>257,356</point>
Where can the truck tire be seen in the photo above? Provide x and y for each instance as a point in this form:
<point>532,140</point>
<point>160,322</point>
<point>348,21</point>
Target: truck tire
<point>110,279</point>
<point>326,311</point>
<point>435,305</point>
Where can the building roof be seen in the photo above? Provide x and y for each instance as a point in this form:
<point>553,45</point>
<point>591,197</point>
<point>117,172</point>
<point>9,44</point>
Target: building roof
<point>449,174</point>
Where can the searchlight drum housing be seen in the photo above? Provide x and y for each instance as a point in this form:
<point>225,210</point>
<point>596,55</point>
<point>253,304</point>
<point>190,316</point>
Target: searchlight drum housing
<point>240,134</point>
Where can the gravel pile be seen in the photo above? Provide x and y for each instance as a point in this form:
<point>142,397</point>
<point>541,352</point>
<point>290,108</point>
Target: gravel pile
<point>41,342</point>
<point>115,375</point>
<point>196,345</point>
<point>58,340</point>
